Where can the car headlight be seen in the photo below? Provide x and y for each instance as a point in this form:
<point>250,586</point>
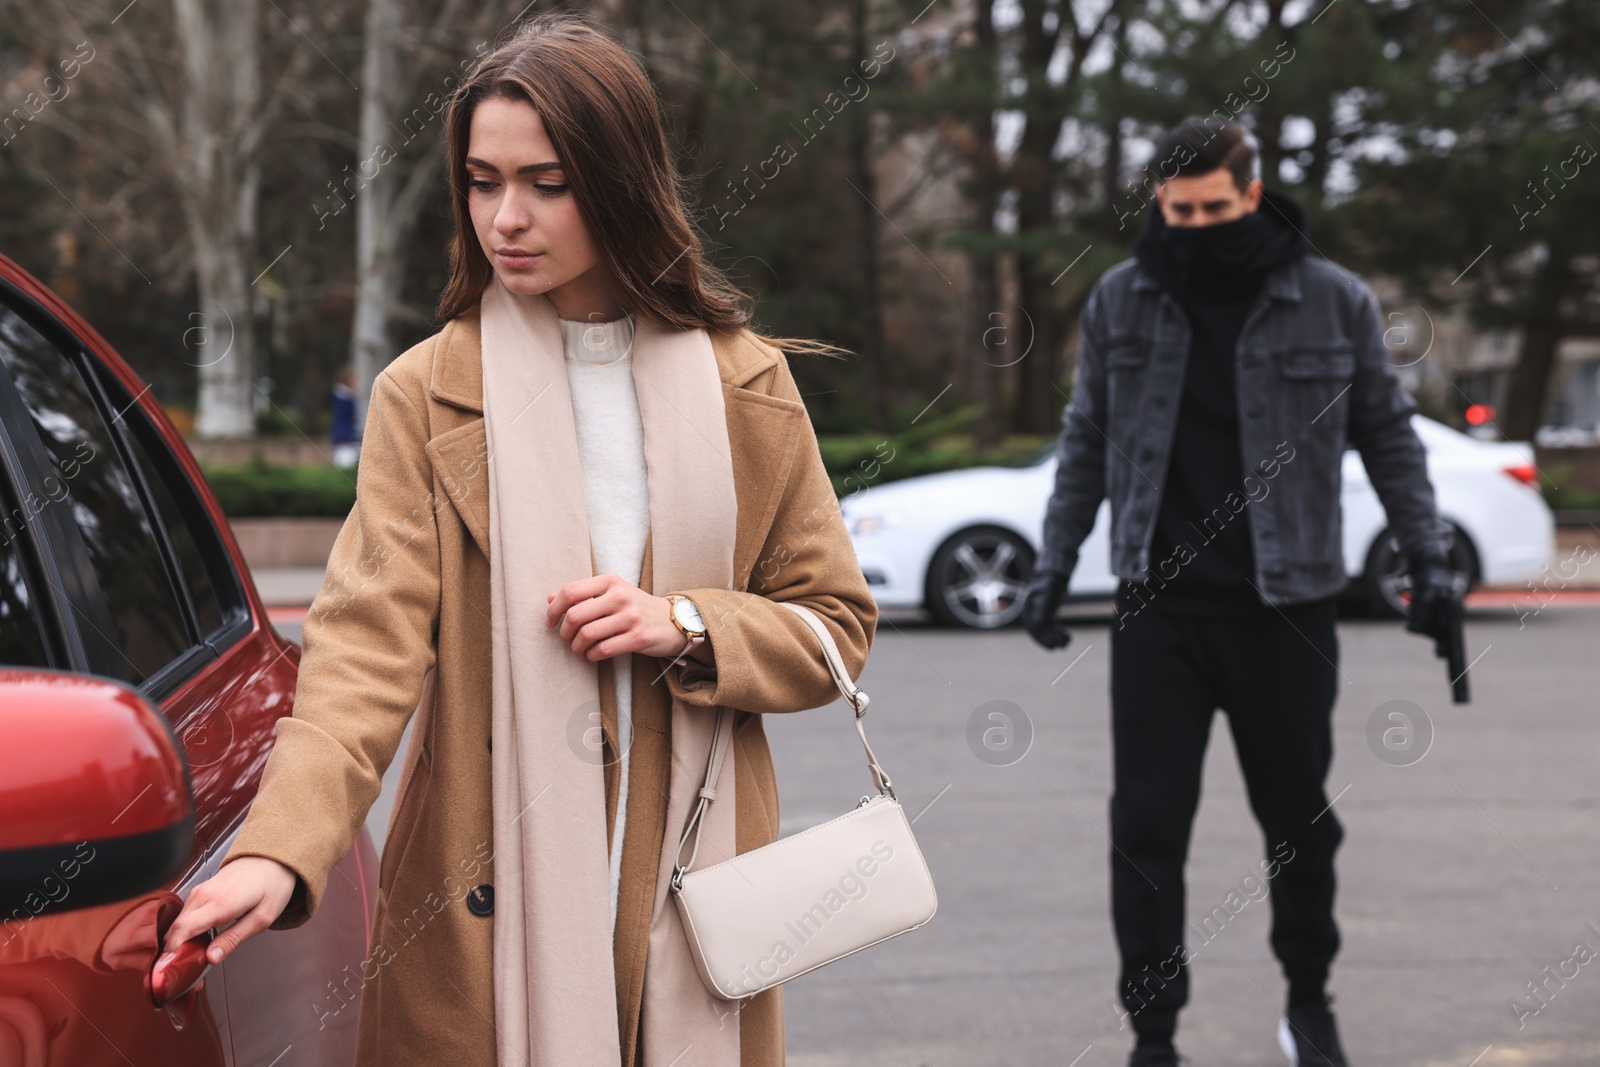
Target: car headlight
<point>871,524</point>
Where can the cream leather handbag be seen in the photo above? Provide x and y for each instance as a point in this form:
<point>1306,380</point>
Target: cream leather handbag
<point>776,912</point>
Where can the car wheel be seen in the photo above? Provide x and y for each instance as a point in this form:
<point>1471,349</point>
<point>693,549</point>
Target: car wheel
<point>1385,581</point>
<point>978,578</point>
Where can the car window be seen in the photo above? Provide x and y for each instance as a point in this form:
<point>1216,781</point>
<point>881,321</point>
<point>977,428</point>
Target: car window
<point>21,641</point>
<point>201,555</point>
<point>103,498</point>
<point>208,612</point>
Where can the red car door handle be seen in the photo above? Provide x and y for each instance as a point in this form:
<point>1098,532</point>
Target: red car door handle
<point>174,972</point>
<point>172,975</point>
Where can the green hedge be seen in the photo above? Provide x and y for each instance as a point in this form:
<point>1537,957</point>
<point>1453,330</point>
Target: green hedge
<point>262,490</point>
<point>858,461</point>
<point>1561,494</point>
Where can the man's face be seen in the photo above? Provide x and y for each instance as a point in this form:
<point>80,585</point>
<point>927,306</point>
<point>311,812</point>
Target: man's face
<point>1206,199</point>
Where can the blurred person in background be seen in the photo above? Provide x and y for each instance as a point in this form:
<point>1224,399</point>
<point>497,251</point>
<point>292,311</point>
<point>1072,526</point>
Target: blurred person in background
<point>342,406</point>
<point>1221,374</point>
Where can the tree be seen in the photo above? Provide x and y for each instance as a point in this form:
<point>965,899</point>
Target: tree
<point>1047,102</point>
<point>780,112</point>
<point>974,82</point>
<point>411,61</point>
<point>196,115</point>
<point>1488,184</point>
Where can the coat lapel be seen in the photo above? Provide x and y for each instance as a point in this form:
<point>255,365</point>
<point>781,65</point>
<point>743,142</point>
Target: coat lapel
<point>764,433</point>
<point>460,454</point>
<point>461,472</point>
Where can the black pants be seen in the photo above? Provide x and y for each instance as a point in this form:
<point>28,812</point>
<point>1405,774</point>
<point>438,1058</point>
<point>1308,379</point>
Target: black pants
<point>1274,674</point>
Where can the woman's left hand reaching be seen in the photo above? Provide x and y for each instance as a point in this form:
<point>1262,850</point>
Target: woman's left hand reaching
<point>606,615</point>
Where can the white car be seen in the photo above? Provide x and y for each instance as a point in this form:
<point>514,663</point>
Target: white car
<point>962,543</point>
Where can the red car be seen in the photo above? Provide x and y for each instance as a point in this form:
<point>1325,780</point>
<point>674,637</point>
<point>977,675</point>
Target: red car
<point>139,685</point>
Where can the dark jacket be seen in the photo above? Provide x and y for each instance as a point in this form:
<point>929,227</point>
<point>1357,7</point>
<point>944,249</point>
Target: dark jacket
<point>1312,379</point>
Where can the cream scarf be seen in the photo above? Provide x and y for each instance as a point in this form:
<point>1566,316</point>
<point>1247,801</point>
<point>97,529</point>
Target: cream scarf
<point>555,995</point>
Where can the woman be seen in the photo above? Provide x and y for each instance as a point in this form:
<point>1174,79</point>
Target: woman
<point>578,506</point>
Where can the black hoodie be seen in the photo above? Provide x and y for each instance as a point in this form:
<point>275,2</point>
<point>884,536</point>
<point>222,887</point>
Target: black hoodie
<point>1201,558</point>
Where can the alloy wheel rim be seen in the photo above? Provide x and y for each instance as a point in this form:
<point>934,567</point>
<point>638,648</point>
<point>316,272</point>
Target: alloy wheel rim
<point>984,581</point>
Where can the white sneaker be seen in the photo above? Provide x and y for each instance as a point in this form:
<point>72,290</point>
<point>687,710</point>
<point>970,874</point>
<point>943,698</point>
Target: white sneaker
<point>1309,1036</point>
<point>1286,1042</point>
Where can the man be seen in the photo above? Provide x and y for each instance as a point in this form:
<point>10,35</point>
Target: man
<point>1221,373</point>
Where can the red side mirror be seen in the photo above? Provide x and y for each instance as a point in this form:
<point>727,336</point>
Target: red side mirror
<point>95,801</point>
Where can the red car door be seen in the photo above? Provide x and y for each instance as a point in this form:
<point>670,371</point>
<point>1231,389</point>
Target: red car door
<point>116,561</point>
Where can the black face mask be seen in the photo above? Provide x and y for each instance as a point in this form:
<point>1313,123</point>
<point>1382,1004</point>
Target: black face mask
<point>1228,260</point>
<point>1225,247</point>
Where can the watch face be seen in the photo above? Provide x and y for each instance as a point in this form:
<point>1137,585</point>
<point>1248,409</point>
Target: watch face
<point>689,615</point>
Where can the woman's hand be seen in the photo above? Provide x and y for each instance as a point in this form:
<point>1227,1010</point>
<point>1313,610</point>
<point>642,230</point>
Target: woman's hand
<point>252,889</point>
<point>604,616</point>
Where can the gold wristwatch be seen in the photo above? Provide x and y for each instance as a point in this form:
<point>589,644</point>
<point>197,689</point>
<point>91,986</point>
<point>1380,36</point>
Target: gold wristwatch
<point>686,617</point>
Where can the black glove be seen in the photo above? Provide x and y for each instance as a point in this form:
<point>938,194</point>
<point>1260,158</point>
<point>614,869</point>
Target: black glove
<point>1435,598</point>
<point>1039,608</point>
<point>1436,611</point>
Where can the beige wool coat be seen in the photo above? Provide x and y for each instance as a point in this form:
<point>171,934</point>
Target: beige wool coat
<point>401,626</point>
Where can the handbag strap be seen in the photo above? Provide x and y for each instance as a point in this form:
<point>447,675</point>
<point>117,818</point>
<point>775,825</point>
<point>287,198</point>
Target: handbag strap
<point>853,695</point>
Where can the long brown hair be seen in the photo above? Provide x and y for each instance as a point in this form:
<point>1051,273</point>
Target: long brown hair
<point>604,119</point>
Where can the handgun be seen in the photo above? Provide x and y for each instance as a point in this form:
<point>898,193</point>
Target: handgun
<point>1451,642</point>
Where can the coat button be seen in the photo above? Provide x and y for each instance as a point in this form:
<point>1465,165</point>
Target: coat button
<point>480,900</point>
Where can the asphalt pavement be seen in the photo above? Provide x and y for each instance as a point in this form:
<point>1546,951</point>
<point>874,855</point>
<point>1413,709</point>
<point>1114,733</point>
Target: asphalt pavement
<point>1470,867</point>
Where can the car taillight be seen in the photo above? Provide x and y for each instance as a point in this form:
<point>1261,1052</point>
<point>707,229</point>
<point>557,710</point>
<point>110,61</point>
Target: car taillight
<point>1526,473</point>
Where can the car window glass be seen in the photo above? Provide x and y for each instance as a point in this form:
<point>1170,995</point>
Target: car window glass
<point>166,480</point>
<point>208,612</point>
<point>21,643</point>
<point>104,501</point>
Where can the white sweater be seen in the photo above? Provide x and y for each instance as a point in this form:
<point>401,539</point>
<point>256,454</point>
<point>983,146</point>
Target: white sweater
<point>605,409</point>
